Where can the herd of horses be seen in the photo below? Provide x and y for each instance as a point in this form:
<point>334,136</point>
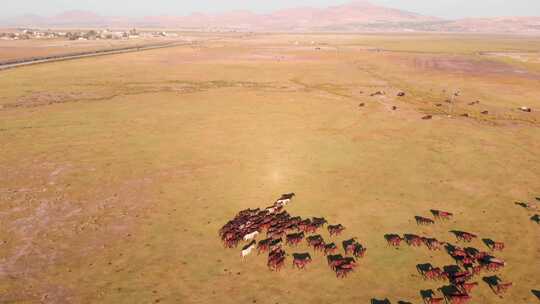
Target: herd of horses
<point>281,230</point>
<point>469,262</point>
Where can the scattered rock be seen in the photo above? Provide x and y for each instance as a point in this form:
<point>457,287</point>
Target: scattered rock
<point>401,94</point>
<point>485,112</point>
<point>378,93</point>
<point>427,117</point>
<point>362,104</point>
<point>464,115</point>
<point>525,109</point>
<point>439,105</point>
<point>394,108</point>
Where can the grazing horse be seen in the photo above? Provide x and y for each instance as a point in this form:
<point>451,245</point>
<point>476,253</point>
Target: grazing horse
<point>284,199</point>
<point>420,220</point>
<point>434,274</point>
<point>491,263</point>
<point>314,240</point>
<point>459,277</point>
<point>423,268</point>
<point>359,251</point>
<point>275,243</point>
<point>413,240</point>
<point>333,259</point>
<point>441,214</point>
<point>330,248</point>
<point>272,209</point>
<point>246,250</point>
<point>348,245</point>
<point>294,239</point>
<point>276,259</point>
<point>393,239</point>
<point>499,246</point>
<point>335,229</point>
<point>459,298</point>
<point>319,221</point>
<point>300,260</point>
<point>287,196</point>
<point>264,245</point>
<point>502,288</point>
<point>435,301</point>
<point>304,225</point>
<point>464,236</point>
<point>432,243</point>
<point>344,266</point>
<point>467,287</point>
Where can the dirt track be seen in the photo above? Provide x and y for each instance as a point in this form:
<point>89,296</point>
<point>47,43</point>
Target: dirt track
<point>40,60</point>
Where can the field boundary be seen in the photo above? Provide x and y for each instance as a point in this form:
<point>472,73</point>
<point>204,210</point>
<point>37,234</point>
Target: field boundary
<point>11,64</point>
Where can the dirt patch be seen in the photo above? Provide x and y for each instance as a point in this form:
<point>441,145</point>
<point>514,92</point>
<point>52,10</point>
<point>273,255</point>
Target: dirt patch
<point>470,66</point>
<point>37,99</point>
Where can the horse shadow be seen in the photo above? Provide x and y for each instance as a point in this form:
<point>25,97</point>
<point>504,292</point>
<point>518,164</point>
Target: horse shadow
<point>449,290</point>
<point>427,294</point>
<point>489,243</point>
<point>450,248</point>
<point>451,269</point>
<point>403,302</point>
<point>536,293</point>
<point>423,268</point>
<point>522,204</point>
<point>536,218</point>
<point>471,251</point>
<point>385,301</point>
<point>492,282</point>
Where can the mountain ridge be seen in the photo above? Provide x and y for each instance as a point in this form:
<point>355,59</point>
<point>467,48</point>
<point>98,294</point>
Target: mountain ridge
<point>354,16</point>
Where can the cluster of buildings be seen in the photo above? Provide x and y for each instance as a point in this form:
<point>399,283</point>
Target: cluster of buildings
<point>106,34</point>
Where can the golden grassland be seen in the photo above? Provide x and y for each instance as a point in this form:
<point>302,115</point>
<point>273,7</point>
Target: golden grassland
<point>117,172</point>
<point>24,49</point>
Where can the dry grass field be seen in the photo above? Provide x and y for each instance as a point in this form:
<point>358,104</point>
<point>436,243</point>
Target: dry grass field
<point>24,49</point>
<point>117,172</point>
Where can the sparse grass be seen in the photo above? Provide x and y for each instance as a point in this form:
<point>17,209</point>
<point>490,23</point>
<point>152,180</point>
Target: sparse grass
<point>118,198</point>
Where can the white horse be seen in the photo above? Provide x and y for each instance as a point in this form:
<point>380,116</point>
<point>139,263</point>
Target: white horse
<point>248,248</point>
<point>282,202</point>
<point>251,236</point>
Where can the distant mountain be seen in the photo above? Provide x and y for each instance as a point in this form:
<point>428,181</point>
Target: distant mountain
<point>355,16</point>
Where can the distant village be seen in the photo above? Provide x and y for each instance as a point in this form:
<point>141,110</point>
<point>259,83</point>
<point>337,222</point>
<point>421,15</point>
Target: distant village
<point>27,34</point>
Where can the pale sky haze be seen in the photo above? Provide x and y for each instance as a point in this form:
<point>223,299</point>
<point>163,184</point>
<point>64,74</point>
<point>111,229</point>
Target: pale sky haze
<point>439,8</point>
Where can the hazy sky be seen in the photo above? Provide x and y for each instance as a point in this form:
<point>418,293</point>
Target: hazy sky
<point>441,8</point>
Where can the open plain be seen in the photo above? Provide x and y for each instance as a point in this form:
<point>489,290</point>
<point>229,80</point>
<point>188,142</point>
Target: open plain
<point>117,172</point>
